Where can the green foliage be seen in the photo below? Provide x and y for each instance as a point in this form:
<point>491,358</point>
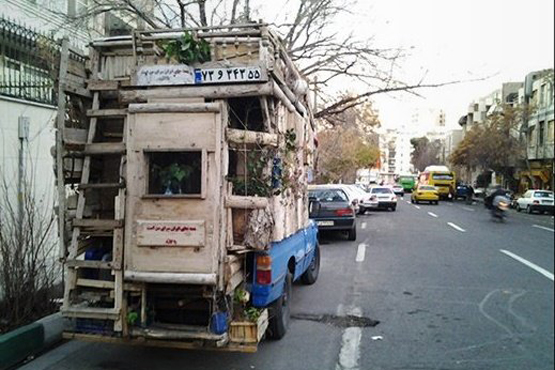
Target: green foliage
<point>495,144</point>
<point>132,317</point>
<point>188,49</point>
<point>253,313</point>
<point>174,173</point>
<point>259,180</point>
<point>270,171</point>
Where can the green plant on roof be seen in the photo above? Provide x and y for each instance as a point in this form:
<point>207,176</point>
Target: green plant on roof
<point>188,49</point>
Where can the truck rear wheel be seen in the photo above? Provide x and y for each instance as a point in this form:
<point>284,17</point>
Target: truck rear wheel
<point>311,274</point>
<point>280,311</point>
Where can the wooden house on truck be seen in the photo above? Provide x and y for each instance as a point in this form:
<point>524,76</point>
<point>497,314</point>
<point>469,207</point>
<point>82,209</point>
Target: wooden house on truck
<point>183,158</point>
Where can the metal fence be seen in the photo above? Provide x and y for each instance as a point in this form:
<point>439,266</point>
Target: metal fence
<point>28,63</point>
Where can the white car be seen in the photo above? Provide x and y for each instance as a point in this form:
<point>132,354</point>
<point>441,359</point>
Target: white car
<point>381,197</point>
<point>536,201</point>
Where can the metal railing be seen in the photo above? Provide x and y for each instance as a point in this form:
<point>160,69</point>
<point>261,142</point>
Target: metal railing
<point>28,63</point>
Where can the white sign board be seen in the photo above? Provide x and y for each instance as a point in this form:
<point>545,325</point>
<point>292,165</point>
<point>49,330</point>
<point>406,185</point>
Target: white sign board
<point>170,233</point>
<point>228,75</point>
<point>165,74</point>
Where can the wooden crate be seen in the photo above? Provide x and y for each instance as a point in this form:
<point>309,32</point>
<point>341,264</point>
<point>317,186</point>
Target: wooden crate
<point>249,332</point>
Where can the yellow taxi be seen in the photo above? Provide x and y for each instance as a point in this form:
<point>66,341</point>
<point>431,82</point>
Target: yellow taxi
<point>425,193</point>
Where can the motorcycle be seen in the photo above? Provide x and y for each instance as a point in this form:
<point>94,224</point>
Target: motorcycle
<point>500,207</point>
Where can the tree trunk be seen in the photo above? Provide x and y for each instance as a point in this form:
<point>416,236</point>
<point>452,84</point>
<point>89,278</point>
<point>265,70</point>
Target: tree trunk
<point>181,12</point>
<point>247,11</point>
<point>234,11</point>
<point>202,12</point>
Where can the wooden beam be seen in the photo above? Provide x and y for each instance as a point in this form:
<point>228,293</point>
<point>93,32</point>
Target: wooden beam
<point>174,108</point>
<point>104,148</point>
<point>208,92</point>
<point>89,264</point>
<point>234,201</point>
<point>91,313</point>
<point>107,113</point>
<point>98,224</point>
<point>102,85</point>
<point>236,136</point>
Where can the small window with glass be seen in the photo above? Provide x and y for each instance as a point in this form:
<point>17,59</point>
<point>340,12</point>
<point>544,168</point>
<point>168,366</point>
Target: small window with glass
<point>175,174</point>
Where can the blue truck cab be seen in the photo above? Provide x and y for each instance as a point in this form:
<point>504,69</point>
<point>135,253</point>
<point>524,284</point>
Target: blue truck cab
<point>296,257</point>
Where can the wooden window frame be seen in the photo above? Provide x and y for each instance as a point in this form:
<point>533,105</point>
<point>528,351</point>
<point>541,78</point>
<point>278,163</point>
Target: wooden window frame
<point>203,173</point>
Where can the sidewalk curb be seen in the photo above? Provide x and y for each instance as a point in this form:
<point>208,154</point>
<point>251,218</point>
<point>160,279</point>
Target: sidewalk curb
<point>19,344</point>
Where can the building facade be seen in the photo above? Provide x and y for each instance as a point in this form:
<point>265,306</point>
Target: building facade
<point>539,130</point>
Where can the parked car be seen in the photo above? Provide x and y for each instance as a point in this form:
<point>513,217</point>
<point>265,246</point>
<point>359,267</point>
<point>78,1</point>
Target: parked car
<point>352,192</point>
<point>536,201</point>
<point>331,209</point>
<point>361,195</point>
<point>425,193</point>
<point>398,190</point>
<point>463,191</point>
<point>381,197</point>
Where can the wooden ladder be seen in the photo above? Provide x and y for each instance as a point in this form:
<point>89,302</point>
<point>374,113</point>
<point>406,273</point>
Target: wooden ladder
<point>86,231</point>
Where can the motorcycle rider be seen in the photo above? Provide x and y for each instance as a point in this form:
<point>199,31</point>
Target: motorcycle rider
<point>498,191</point>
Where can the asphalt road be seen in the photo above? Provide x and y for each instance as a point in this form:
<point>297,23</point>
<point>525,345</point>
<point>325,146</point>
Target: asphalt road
<point>451,290</point>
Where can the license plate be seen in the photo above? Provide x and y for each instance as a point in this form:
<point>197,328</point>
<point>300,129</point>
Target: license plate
<point>325,223</point>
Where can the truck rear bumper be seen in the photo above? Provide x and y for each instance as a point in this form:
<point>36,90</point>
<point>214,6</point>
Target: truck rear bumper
<point>170,278</point>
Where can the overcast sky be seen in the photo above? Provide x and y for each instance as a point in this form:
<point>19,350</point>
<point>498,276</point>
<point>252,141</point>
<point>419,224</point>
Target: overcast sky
<point>458,40</point>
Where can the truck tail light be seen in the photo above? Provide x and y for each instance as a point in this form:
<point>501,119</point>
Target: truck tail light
<point>344,212</point>
<point>264,270</point>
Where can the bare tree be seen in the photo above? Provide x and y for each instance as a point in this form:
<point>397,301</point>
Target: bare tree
<point>28,266</point>
<point>310,35</point>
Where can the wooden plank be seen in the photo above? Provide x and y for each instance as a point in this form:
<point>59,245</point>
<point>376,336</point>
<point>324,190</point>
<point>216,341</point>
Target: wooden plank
<point>60,130</point>
<point>236,136</point>
<point>91,313</point>
<point>99,284</point>
<point>98,224</point>
<point>107,113</point>
<point>76,68</point>
<point>209,92</point>
<point>235,201</point>
<point>104,148</point>
<point>104,265</point>
<point>116,185</point>
<point>73,89</point>
<point>75,136</point>
<point>174,108</point>
<point>102,85</point>
<point>235,281</point>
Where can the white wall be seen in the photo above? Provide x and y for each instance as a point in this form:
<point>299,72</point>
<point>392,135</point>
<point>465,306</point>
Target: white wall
<point>38,160</point>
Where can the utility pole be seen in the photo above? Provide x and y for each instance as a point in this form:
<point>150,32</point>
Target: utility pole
<point>23,133</point>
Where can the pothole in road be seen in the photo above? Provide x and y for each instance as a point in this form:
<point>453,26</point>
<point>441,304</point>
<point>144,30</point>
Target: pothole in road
<point>348,321</point>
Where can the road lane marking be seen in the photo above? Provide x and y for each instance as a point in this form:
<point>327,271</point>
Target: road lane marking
<point>361,253</point>
<point>456,227</point>
<point>408,202</point>
<point>469,209</point>
<point>417,207</point>
<point>433,215</point>
<point>363,226</point>
<point>349,354</point>
<point>543,228</point>
<point>542,271</point>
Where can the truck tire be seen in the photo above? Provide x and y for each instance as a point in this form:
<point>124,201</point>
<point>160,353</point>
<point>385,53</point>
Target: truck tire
<point>352,235</point>
<point>280,311</point>
<point>311,274</point>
